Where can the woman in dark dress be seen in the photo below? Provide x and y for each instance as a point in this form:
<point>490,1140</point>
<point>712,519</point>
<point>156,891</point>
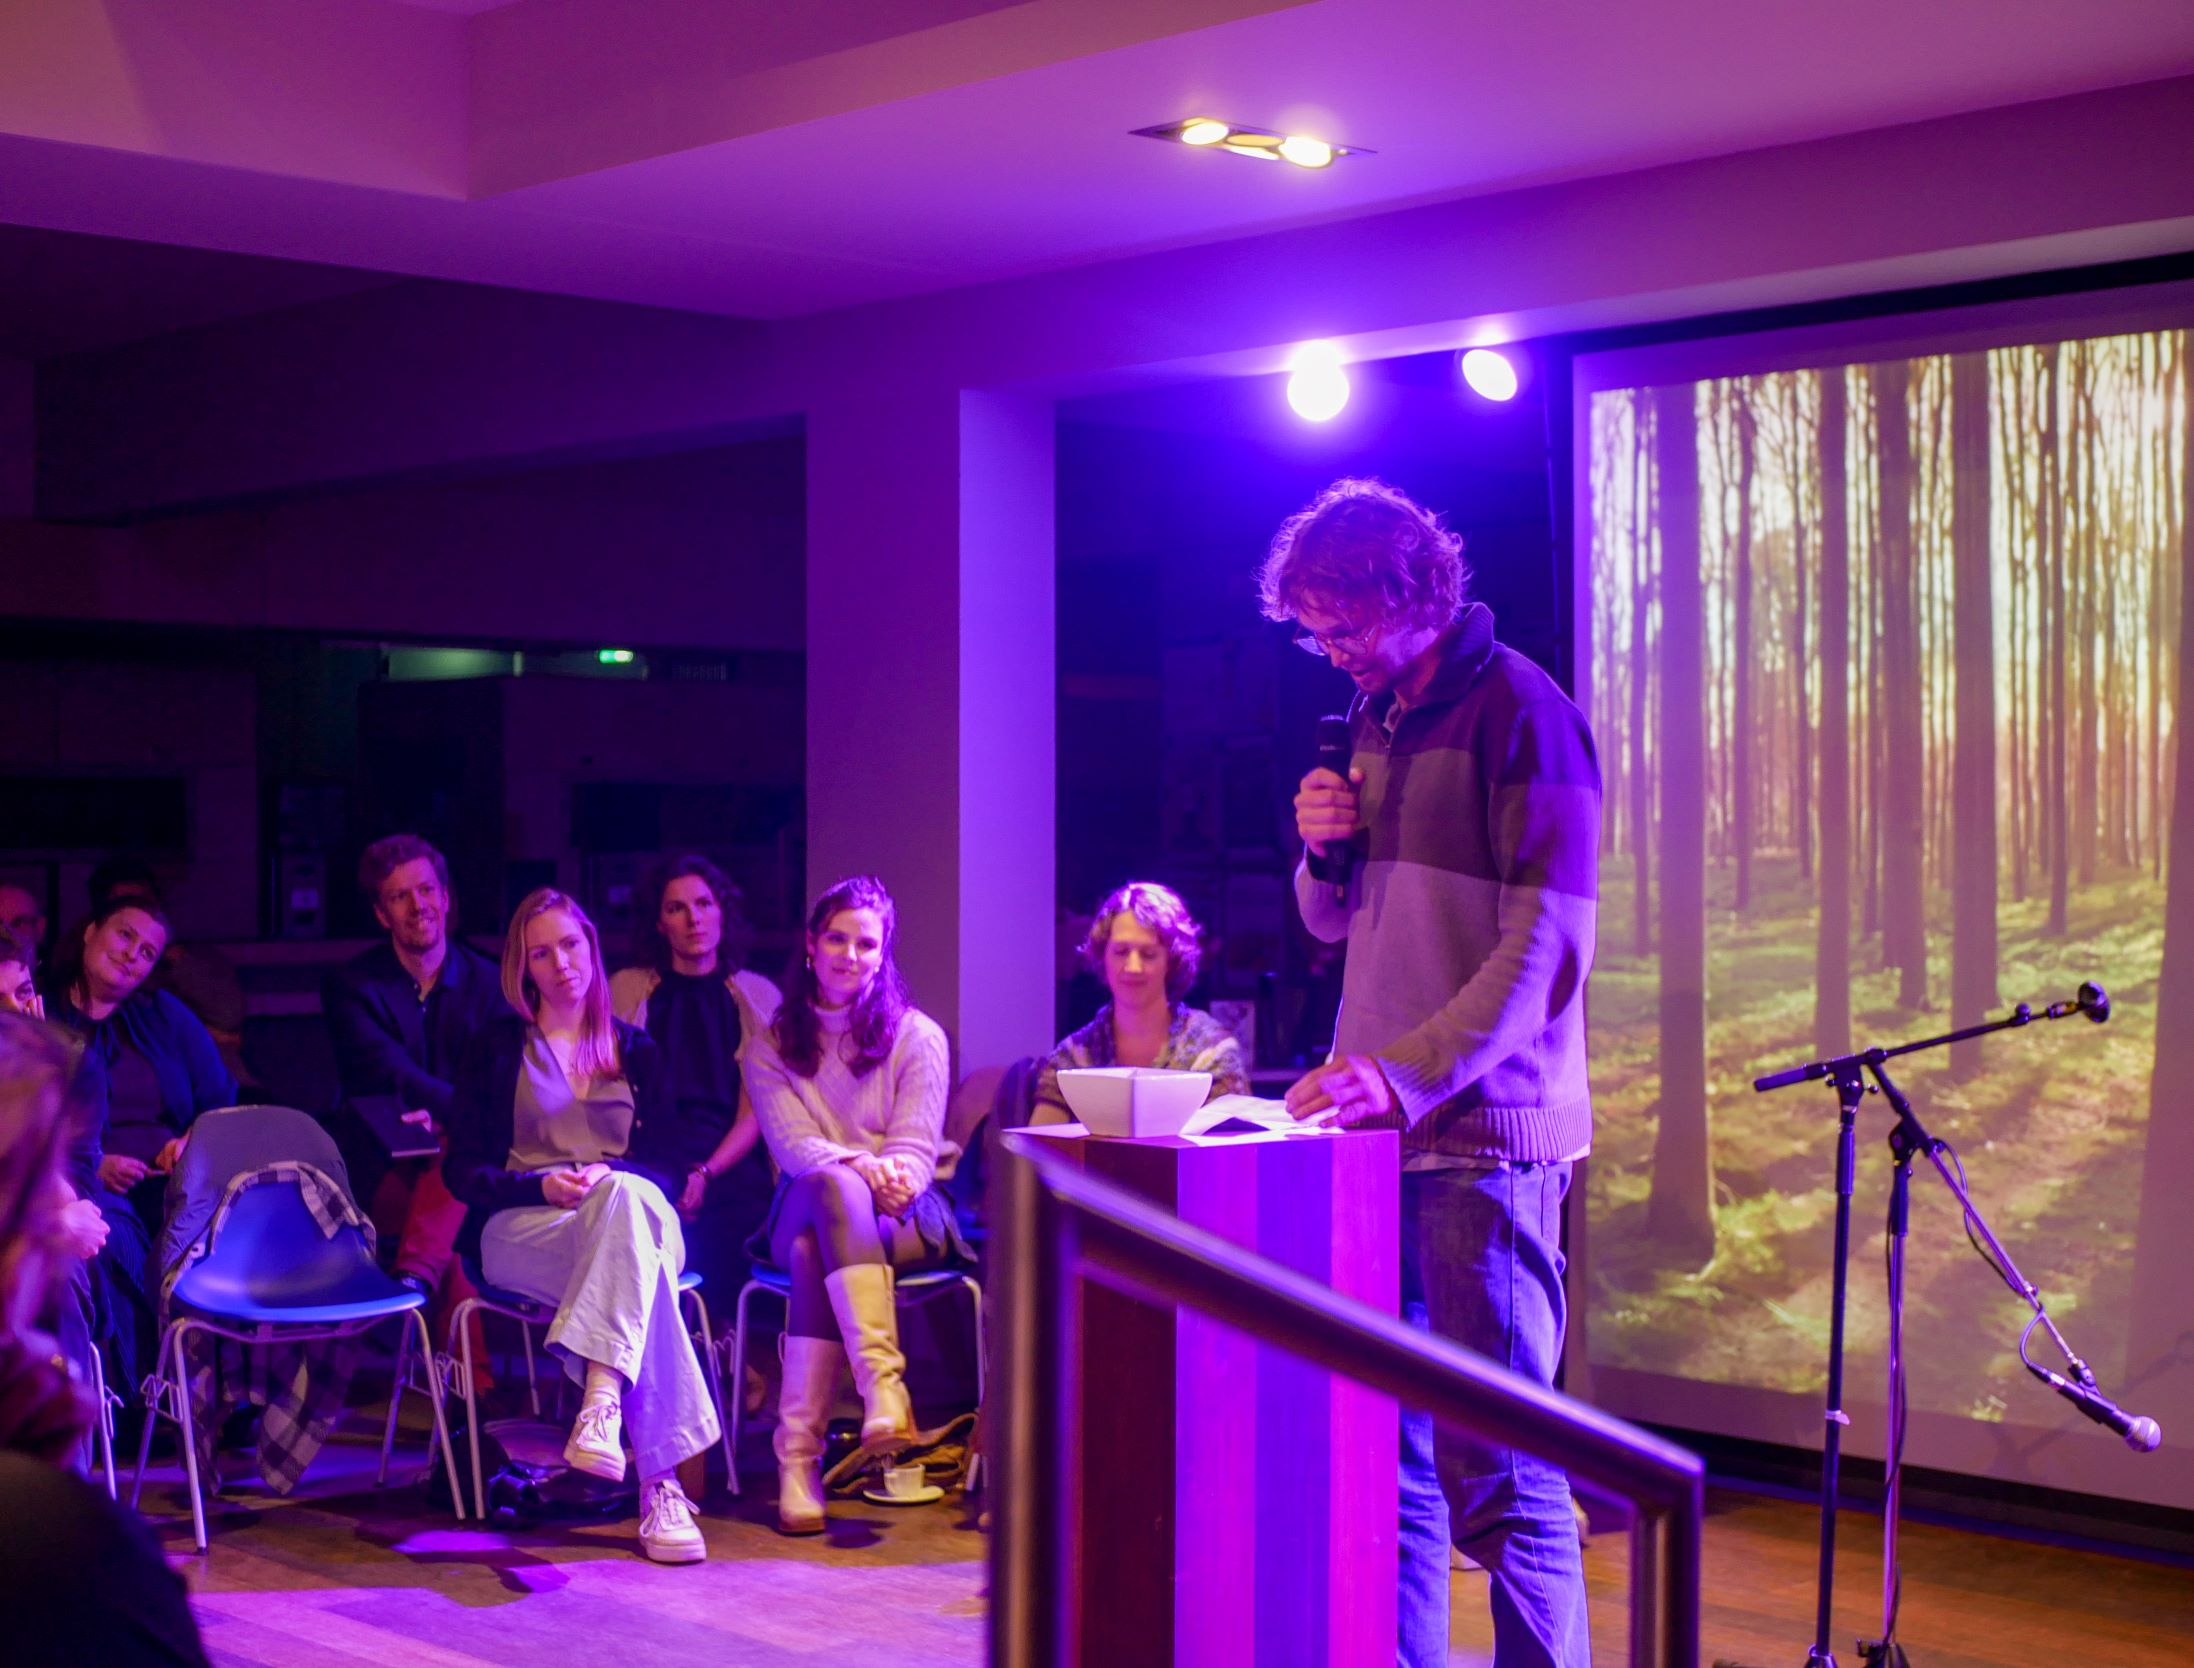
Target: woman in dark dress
<point>704,1012</point>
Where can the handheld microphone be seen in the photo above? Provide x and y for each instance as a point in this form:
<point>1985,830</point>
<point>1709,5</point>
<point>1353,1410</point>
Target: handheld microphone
<point>2143,1436</point>
<point>1334,752</point>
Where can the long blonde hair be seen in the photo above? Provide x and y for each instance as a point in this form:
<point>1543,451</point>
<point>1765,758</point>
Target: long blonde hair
<point>596,1054</point>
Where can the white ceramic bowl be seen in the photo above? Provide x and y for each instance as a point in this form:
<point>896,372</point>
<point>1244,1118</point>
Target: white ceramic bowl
<point>1133,1100</point>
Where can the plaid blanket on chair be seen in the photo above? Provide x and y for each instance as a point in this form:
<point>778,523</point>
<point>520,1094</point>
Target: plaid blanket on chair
<point>302,1386</point>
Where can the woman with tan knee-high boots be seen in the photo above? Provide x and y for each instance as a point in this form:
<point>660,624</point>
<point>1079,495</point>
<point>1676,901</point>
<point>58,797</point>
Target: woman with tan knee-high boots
<point>850,1088</point>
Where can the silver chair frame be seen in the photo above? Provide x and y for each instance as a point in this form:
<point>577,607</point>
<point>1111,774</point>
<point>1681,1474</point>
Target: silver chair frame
<point>170,1398</point>
<point>529,1315</point>
<point>907,1291</point>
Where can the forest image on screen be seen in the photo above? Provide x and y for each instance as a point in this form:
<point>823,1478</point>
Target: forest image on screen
<point>1885,669</point>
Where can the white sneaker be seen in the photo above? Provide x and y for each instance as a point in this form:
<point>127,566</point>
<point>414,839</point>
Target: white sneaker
<point>668,1533</point>
<point>595,1446</point>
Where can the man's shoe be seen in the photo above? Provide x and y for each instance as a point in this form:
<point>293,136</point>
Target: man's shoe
<point>668,1533</point>
<point>595,1446</point>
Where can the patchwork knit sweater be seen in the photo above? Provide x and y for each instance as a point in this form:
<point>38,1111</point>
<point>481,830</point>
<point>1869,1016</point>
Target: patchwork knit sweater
<point>1472,912</point>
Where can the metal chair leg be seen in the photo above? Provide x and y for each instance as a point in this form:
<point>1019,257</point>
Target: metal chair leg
<point>533,1384</point>
<point>106,1420</point>
<point>433,1393</point>
<point>737,1377</point>
<point>190,1434</point>
<point>396,1399</point>
<point>705,1344</point>
<point>462,1332</point>
<point>149,1390</point>
<point>982,1375</point>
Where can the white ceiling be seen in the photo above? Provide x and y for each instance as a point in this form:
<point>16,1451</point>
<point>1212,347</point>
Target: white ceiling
<point>783,162</point>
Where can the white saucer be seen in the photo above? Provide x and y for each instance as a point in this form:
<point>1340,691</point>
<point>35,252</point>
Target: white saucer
<point>929,1495</point>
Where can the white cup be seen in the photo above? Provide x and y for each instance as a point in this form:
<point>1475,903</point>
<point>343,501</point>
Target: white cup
<point>904,1482</point>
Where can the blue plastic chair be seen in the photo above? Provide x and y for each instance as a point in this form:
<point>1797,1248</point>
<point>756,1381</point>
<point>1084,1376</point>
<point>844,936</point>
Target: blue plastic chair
<point>498,1300</point>
<point>907,1289</point>
<point>272,1276</point>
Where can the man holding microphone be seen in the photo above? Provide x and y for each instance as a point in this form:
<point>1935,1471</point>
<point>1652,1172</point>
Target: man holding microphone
<point>1459,859</point>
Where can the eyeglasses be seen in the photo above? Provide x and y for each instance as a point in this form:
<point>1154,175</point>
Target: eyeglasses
<point>1349,644</point>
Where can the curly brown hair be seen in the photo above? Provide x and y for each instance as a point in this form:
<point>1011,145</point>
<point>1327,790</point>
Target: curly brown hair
<point>1161,909</point>
<point>1362,547</point>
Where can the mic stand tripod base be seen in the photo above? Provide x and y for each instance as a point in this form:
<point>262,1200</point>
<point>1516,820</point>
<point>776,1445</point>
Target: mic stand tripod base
<point>1879,1653</point>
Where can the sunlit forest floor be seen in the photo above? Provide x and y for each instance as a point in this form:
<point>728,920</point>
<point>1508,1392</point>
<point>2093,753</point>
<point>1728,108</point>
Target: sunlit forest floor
<point>2051,1128</point>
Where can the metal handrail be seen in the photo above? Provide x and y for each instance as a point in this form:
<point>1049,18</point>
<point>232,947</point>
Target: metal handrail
<point>1059,1223</point>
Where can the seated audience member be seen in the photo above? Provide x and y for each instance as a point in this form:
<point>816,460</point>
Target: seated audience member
<point>1145,945</point>
<point>850,1087</point>
<point>552,1149</point>
<point>18,977</point>
<point>204,980</point>
<point>80,1228</point>
<point>149,1068</point>
<point>703,1010</point>
<point>23,919</point>
<point>400,1016</point>
<point>81,1579</point>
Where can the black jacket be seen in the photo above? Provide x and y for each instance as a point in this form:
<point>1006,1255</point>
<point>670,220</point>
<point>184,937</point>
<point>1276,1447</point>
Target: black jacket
<point>483,1124</point>
<point>387,1042</point>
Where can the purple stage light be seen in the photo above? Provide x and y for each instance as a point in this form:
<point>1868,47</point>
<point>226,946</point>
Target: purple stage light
<point>1489,374</point>
<point>1317,386</point>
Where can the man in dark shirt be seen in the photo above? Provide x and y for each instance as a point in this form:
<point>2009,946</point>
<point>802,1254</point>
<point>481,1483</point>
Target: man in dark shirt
<point>400,1016</point>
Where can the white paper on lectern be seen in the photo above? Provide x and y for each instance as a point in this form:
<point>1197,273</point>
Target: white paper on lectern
<point>1272,1118</point>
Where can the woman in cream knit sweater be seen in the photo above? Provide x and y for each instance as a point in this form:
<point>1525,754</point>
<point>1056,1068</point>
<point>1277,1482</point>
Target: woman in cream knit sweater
<point>850,1087</point>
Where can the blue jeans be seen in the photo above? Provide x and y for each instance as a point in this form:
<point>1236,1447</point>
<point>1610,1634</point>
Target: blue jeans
<point>1482,1264</point>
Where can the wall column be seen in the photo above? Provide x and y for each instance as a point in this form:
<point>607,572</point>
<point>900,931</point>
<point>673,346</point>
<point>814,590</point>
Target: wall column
<point>930,682</point>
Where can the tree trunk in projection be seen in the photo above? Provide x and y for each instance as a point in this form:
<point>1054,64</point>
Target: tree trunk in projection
<point>2054,597</point>
<point>1641,600</point>
<point>1973,642</point>
<point>1743,797</point>
<point>1801,811</point>
<point>2086,582</point>
<point>2160,1323</point>
<point>1904,897</point>
<point>2012,407</point>
<point>1679,1212</point>
<point>1832,957</point>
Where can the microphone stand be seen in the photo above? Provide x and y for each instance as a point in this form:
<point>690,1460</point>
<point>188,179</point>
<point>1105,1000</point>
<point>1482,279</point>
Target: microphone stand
<point>1908,1139</point>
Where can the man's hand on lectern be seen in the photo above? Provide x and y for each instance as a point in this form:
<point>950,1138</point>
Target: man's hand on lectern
<point>1344,1091</point>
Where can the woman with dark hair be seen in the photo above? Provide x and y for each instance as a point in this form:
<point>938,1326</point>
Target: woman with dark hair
<point>555,1148</point>
<point>704,1011</point>
<point>850,1088</point>
<point>80,1578</point>
<point>1145,945</point>
<point>149,1068</point>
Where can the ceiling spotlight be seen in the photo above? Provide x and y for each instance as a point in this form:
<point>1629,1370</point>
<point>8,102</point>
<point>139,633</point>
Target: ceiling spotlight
<point>1209,133</point>
<point>1489,374</point>
<point>1317,386</point>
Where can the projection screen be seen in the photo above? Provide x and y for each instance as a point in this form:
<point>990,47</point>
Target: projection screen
<point>1880,628</point>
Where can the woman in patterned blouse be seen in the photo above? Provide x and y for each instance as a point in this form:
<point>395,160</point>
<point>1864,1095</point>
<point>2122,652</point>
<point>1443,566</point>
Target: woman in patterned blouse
<point>1145,945</point>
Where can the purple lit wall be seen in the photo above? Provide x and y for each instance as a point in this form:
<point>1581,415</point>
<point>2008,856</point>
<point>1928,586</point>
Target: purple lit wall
<point>419,376</point>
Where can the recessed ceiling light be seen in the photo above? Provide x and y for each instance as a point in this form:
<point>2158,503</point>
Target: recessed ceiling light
<point>1210,133</point>
<point>1306,153</point>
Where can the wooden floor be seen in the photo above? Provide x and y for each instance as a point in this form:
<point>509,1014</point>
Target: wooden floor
<point>343,1576</point>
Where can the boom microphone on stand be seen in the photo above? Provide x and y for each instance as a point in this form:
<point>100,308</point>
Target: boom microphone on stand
<point>2143,1436</point>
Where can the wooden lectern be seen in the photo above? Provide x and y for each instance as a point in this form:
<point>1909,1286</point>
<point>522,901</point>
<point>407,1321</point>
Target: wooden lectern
<point>1237,1505</point>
